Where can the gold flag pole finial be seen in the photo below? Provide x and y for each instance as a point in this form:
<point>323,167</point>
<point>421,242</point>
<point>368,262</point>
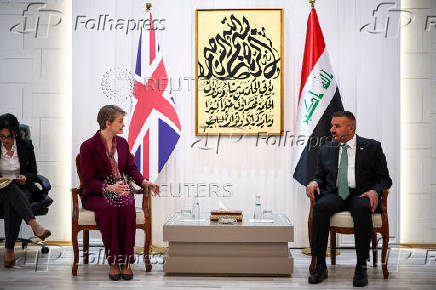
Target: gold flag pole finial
<point>312,3</point>
<point>148,6</point>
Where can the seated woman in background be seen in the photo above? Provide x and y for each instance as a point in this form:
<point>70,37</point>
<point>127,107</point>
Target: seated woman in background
<point>104,158</point>
<point>17,163</point>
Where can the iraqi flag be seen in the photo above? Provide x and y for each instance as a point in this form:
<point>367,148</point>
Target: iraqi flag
<point>319,98</point>
<point>154,128</point>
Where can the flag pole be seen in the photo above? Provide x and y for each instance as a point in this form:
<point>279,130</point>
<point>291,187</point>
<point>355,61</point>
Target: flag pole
<point>307,251</point>
<point>153,249</point>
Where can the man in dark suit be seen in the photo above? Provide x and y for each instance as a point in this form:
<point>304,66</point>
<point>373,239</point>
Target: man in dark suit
<point>351,175</point>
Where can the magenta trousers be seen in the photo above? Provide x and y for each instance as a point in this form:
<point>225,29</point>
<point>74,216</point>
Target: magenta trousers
<point>117,225</point>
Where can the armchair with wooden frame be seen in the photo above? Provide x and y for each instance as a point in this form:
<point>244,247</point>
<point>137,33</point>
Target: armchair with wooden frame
<point>84,220</point>
<point>342,223</point>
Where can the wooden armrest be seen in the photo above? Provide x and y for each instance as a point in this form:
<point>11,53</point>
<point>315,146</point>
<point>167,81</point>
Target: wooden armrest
<point>309,222</point>
<point>384,201</point>
<point>132,184</point>
<point>146,195</point>
<point>312,202</point>
<point>146,199</point>
<point>75,193</point>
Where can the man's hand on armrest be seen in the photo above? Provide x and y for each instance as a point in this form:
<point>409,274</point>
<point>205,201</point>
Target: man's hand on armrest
<point>311,188</point>
<point>373,198</point>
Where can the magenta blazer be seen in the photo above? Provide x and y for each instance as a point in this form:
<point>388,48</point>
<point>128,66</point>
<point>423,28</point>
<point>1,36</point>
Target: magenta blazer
<point>95,165</point>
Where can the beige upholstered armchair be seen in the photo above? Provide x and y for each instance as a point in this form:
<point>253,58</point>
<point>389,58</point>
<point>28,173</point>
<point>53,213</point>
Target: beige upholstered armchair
<point>84,220</point>
<point>342,223</point>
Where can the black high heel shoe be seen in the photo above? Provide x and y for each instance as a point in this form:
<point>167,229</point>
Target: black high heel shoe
<point>126,276</point>
<point>115,277</point>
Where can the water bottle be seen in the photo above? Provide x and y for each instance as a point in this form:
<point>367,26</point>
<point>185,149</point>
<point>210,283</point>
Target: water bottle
<point>258,209</point>
<point>196,209</point>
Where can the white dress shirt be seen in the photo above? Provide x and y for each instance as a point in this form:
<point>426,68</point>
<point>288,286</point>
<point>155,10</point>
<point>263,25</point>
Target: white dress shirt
<point>9,165</point>
<point>351,152</point>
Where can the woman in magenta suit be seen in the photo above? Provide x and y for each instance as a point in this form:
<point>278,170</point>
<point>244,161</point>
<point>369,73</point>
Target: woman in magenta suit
<point>104,159</point>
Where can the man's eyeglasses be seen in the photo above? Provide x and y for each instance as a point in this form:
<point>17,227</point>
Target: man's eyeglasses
<point>3,137</point>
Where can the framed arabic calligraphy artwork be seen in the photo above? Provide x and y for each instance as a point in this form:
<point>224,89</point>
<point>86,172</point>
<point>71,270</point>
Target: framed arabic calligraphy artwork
<point>239,71</point>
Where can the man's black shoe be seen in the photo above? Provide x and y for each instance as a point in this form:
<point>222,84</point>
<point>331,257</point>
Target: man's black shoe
<point>319,274</point>
<point>360,278</point>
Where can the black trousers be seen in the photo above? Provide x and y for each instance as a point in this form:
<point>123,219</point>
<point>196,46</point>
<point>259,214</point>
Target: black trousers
<point>360,209</point>
<point>15,202</point>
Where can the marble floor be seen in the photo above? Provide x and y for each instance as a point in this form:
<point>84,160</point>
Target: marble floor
<point>409,269</point>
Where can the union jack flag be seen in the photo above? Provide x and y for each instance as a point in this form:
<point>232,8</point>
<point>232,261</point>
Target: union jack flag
<point>154,127</point>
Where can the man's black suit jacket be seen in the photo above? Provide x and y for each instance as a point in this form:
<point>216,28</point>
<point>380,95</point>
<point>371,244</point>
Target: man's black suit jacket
<point>371,171</point>
<point>26,155</point>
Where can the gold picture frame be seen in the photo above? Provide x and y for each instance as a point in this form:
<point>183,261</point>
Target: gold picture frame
<point>239,72</point>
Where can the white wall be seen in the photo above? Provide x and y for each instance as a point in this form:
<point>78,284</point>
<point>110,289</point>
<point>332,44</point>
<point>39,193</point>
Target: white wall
<point>418,144</point>
<point>367,67</point>
<point>35,85</point>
